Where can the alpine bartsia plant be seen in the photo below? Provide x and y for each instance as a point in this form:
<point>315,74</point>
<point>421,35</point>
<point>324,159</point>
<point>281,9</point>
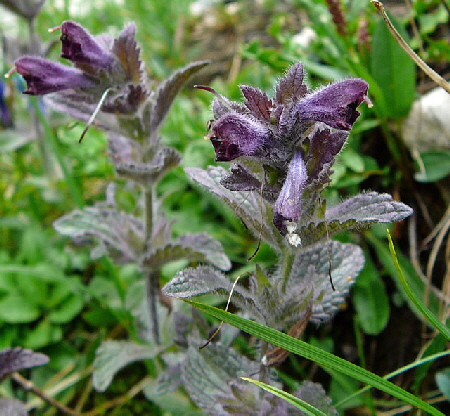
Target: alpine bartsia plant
<point>282,149</point>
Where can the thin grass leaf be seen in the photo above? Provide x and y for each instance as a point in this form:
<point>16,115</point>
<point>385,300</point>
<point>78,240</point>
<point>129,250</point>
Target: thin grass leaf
<point>397,372</point>
<point>324,359</point>
<point>430,316</point>
<point>295,401</point>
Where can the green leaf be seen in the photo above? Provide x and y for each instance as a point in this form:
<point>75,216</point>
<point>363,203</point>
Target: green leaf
<point>43,334</point>
<point>393,70</point>
<point>432,319</point>
<point>113,356</point>
<point>67,310</point>
<point>295,401</point>
<point>435,166</point>
<point>443,382</point>
<point>370,300</point>
<point>16,309</point>
<point>322,358</point>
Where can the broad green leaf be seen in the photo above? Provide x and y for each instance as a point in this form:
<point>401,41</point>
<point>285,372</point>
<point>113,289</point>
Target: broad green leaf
<point>295,401</point>
<point>322,358</point>
<point>42,335</point>
<point>370,300</point>
<point>393,70</point>
<point>436,165</point>
<point>67,310</point>
<point>17,309</point>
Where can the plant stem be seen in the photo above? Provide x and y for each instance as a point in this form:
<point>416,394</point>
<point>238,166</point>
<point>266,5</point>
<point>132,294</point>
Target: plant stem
<point>288,261</point>
<point>151,275</point>
<point>29,386</point>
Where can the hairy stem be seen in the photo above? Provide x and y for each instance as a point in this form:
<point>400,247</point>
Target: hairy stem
<point>151,276</point>
<point>288,261</point>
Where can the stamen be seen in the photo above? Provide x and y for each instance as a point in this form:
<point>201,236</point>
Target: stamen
<point>53,29</point>
<point>10,72</point>
<point>216,94</point>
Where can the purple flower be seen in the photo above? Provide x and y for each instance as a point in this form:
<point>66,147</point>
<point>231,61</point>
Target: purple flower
<point>335,105</point>
<point>80,47</point>
<point>234,135</point>
<point>44,76</point>
<point>287,208</point>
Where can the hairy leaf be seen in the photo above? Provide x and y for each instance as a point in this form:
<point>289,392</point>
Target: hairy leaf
<point>118,233</point>
<point>112,356</point>
<point>194,247</point>
<point>252,210</point>
<point>291,85</point>
<point>149,173</point>
<point>315,395</point>
<point>207,374</point>
<point>165,94</point>
<point>311,269</point>
<point>203,280</point>
<point>12,407</point>
<point>257,102</point>
<point>369,207</point>
<point>127,52</point>
<point>15,359</point>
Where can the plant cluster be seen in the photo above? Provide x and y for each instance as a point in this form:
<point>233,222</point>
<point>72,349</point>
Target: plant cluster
<point>282,148</point>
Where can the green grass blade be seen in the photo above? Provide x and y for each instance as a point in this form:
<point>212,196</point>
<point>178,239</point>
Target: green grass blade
<point>324,359</point>
<point>396,372</point>
<point>295,401</point>
<point>430,316</point>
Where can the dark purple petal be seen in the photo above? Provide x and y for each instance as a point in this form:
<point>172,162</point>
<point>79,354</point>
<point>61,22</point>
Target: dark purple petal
<point>324,147</point>
<point>44,76</point>
<point>79,46</point>
<point>288,206</point>
<point>335,105</point>
<point>235,135</point>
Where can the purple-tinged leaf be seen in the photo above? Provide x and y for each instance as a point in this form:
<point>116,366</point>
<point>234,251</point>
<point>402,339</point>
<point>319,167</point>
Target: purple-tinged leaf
<point>27,9</point>
<point>204,280</point>
<point>112,356</point>
<point>162,99</point>
<point>15,359</point>
<point>368,208</point>
<point>119,234</point>
<point>127,52</point>
<point>240,179</point>
<point>310,271</point>
<point>207,374</point>
<point>249,207</point>
<point>12,407</point>
<point>195,247</point>
<point>315,395</point>
<point>149,173</point>
<point>291,86</point>
<point>257,102</point>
